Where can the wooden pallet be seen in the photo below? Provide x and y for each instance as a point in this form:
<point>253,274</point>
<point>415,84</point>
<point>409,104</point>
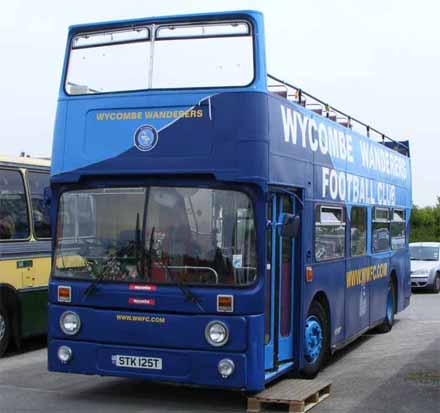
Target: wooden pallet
<point>297,395</point>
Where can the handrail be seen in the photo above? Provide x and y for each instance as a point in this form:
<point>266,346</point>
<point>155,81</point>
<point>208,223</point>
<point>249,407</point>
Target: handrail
<point>326,108</point>
<point>190,267</point>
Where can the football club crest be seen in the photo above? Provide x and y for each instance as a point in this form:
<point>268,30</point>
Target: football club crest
<point>145,138</point>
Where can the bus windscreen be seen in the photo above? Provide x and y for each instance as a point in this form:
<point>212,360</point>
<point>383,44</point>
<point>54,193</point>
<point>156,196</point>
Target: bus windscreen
<point>163,235</point>
<point>174,56</point>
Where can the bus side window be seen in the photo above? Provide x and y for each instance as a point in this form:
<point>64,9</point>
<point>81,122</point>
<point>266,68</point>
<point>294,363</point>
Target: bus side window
<point>329,232</point>
<point>14,220</point>
<point>40,212</point>
<point>358,231</point>
<point>381,230</point>
<point>398,230</point>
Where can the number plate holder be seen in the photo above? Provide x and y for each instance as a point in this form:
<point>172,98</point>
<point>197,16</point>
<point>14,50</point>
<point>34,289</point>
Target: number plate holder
<point>137,362</point>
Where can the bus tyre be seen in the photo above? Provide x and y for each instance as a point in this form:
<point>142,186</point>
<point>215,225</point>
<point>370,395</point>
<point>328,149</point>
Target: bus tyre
<point>5,330</point>
<point>390,311</point>
<point>316,340</point>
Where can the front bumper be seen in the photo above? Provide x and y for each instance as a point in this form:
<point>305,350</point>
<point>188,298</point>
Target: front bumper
<point>178,366</point>
<point>420,282</point>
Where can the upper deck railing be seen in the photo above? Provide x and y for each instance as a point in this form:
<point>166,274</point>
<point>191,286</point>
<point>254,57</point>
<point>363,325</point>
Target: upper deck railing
<point>299,96</point>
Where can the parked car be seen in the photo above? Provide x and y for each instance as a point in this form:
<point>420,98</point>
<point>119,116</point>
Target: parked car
<point>425,265</point>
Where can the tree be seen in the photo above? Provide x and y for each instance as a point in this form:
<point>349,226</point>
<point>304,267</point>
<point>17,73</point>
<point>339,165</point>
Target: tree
<point>425,223</point>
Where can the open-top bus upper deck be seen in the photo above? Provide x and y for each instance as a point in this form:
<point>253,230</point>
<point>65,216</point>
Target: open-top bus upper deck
<point>198,103</point>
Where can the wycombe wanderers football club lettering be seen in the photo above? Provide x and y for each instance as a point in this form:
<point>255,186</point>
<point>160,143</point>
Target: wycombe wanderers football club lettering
<point>150,114</point>
<point>317,136</point>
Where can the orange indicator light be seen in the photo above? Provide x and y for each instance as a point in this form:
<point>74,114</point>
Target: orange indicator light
<point>309,274</point>
<point>64,294</point>
<point>225,303</point>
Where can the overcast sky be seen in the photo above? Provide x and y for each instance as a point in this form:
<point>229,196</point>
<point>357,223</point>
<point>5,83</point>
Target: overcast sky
<point>378,60</point>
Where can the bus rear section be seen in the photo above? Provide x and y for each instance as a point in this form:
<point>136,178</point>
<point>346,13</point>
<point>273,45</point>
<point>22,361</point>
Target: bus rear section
<point>184,195</point>
<point>25,249</point>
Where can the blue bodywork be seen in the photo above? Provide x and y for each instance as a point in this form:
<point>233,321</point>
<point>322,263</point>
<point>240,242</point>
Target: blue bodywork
<point>238,138</point>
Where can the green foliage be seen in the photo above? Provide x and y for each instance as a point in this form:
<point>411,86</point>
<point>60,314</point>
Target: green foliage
<point>425,223</point>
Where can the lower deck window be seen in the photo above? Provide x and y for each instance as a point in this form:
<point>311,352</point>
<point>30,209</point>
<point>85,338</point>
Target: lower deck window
<point>38,182</point>
<point>398,230</point>
<point>381,230</point>
<point>329,233</point>
<point>358,231</point>
<point>14,221</point>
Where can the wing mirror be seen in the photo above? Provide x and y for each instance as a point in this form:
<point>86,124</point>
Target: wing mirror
<point>289,225</point>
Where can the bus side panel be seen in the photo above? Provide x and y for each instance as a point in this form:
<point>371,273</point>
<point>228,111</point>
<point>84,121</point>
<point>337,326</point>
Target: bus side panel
<point>357,296</point>
<point>255,352</point>
<point>407,271</point>
<point>329,278</point>
<point>400,263</point>
<point>34,299</point>
<point>10,273</point>
<point>33,305</point>
<point>379,287</point>
<point>41,271</point>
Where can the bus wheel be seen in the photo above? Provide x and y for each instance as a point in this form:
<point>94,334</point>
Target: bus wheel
<point>387,324</point>
<point>5,330</point>
<point>316,340</point>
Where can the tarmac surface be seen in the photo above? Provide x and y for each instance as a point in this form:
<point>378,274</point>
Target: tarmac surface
<point>394,372</point>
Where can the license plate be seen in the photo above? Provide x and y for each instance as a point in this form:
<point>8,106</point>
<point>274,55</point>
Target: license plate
<point>151,363</point>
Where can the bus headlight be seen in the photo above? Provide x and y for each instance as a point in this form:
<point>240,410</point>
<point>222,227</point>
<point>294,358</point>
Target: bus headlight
<point>64,354</point>
<point>226,367</point>
<point>70,323</point>
<point>216,333</point>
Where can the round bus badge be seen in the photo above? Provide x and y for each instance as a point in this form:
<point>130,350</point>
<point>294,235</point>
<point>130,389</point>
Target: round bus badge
<point>145,138</point>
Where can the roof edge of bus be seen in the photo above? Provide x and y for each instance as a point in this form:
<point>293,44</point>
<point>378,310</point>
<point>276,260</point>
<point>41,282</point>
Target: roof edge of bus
<point>21,160</point>
<point>164,18</point>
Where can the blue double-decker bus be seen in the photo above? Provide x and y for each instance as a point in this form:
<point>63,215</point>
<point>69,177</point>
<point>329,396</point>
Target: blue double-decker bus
<point>212,224</point>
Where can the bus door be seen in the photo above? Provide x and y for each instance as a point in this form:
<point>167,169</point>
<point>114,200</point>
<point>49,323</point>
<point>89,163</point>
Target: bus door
<point>279,287</point>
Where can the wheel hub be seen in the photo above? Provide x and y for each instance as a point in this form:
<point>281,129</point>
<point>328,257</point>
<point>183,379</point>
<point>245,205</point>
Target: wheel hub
<point>390,305</point>
<point>313,339</point>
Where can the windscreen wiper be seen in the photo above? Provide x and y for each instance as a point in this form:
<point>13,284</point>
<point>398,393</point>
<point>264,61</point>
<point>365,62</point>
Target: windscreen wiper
<point>189,295</point>
<point>150,253</point>
<point>92,288</point>
<point>139,248</point>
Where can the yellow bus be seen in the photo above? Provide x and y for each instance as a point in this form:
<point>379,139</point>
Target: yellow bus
<point>25,247</point>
